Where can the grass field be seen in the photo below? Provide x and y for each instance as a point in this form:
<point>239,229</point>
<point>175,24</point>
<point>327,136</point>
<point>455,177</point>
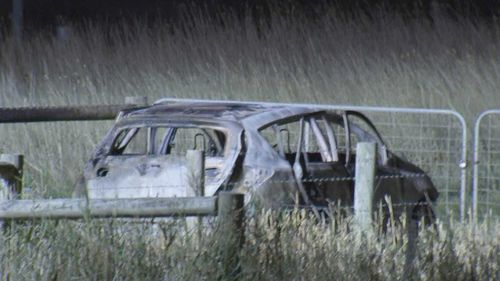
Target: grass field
<point>391,62</point>
<point>277,247</point>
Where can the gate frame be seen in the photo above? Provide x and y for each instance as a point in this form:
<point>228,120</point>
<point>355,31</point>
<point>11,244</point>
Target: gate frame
<point>463,162</point>
<point>475,172</point>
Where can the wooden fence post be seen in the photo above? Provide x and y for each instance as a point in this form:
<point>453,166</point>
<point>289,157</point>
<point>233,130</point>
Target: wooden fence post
<point>230,216</point>
<point>364,183</point>
<point>195,160</point>
<point>11,177</point>
<point>195,164</point>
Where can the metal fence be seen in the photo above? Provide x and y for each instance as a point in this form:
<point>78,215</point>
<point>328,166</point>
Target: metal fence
<point>486,179</point>
<point>434,140</point>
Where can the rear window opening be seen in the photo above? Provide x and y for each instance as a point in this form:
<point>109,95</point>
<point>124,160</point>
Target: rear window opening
<point>160,140</point>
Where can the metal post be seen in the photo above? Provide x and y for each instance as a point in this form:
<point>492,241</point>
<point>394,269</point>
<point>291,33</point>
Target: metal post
<point>364,182</point>
<point>475,177</point>
<point>17,20</point>
<point>230,216</point>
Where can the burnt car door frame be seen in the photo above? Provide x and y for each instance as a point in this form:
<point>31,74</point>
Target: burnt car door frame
<point>387,182</point>
<point>350,127</point>
<point>324,176</point>
<point>323,165</point>
<point>329,177</point>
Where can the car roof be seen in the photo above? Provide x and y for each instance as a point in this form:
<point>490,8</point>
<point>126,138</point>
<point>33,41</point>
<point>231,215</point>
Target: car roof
<point>248,115</point>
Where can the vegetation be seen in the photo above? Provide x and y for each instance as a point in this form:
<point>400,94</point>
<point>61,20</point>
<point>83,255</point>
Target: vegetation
<point>277,247</point>
<point>377,61</point>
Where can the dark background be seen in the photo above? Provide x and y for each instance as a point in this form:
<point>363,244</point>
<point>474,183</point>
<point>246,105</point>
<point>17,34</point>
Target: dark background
<point>45,13</point>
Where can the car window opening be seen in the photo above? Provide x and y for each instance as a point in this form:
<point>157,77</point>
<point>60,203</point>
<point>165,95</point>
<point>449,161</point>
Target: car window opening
<point>325,139</point>
<point>168,141</point>
<point>319,140</point>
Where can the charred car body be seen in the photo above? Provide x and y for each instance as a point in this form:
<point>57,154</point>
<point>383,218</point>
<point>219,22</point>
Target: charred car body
<point>277,155</point>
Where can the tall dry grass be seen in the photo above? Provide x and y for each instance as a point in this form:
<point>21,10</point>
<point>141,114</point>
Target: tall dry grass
<point>277,247</point>
<point>386,61</point>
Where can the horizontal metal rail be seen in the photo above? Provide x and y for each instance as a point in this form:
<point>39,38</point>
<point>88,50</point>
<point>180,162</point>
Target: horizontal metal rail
<point>101,208</point>
<point>60,113</point>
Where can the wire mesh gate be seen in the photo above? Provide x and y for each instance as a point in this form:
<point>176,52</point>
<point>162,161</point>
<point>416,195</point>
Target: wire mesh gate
<point>432,139</point>
<point>486,180</point>
<point>435,141</point>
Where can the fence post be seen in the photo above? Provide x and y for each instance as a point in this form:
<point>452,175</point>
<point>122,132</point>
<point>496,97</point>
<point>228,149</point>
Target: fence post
<point>364,183</point>
<point>195,160</point>
<point>17,20</point>
<point>195,164</point>
<point>230,217</point>
<point>11,177</point>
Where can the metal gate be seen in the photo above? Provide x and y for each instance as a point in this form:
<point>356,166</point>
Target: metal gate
<point>433,139</point>
<point>486,179</point>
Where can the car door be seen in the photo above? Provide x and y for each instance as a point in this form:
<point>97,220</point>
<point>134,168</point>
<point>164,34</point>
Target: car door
<point>388,181</point>
<point>325,179</point>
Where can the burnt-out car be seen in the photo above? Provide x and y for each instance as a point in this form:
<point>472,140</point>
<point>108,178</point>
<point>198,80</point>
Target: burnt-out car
<point>278,155</point>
